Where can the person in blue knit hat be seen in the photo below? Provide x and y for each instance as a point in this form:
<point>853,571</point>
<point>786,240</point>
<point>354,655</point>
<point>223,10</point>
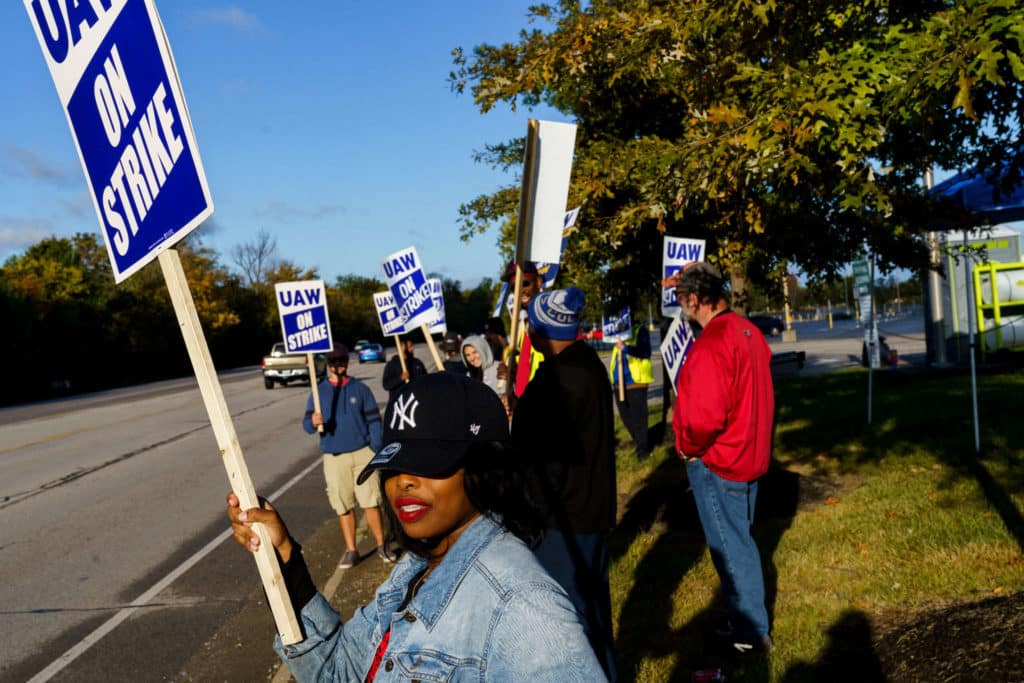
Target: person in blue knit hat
<point>563,431</point>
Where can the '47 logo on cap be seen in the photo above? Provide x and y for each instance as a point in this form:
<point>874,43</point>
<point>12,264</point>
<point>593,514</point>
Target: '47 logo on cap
<point>404,412</point>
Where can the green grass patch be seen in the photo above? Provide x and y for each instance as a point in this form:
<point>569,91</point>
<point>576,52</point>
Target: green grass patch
<point>857,524</point>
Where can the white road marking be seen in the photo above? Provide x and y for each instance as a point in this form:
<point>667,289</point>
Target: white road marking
<point>142,601</point>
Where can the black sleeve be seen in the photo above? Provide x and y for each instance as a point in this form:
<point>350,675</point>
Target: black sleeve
<point>297,580</point>
<point>392,374</point>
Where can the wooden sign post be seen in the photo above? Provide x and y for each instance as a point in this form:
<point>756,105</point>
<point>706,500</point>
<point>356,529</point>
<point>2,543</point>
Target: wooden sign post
<point>433,347</point>
<point>401,353</point>
<point>227,441</point>
<point>107,128</point>
<point>622,376</point>
<point>311,364</point>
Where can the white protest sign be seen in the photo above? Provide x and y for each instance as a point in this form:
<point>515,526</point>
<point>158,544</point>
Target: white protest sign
<point>549,271</point>
<point>440,323</point>
<point>674,348</point>
<point>546,173</point>
<point>403,271</point>
<point>118,86</point>
<point>678,251</point>
<point>303,310</point>
<point>615,328</point>
<point>387,313</point>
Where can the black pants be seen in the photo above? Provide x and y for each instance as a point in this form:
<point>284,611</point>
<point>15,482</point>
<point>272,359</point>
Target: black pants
<point>633,412</point>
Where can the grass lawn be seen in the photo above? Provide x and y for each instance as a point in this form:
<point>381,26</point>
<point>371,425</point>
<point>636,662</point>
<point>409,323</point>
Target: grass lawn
<point>862,529</point>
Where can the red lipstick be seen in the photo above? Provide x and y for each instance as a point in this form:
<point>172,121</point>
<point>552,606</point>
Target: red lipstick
<point>410,509</point>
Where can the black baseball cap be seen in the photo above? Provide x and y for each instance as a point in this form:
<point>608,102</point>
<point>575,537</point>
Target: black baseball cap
<point>433,420</point>
<point>339,352</point>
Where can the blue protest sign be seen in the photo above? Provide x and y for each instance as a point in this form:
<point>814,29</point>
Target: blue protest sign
<point>387,314</point>
<point>303,310</point>
<point>616,328</point>
<point>116,80</point>
<point>678,251</point>
<point>674,348</point>
<point>502,296</point>
<point>440,322</point>
<point>404,274</point>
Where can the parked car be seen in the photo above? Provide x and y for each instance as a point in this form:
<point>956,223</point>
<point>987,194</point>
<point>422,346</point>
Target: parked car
<point>769,325</point>
<point>280,367</point>
<point>371,351</point>
<point>361,344</point>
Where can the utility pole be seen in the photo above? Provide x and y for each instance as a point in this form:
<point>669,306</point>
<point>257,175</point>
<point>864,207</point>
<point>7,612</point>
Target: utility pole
<point>788,334</point>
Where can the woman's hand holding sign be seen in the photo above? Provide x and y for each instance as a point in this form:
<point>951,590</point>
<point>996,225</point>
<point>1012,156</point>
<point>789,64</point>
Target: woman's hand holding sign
<point>241,526</point>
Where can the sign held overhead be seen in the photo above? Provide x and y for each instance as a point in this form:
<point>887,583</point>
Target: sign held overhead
<point>546,173</point>
<point>677,252</point>
<point>116,80</point>
<point>304,321</point>
<point>409,287</point>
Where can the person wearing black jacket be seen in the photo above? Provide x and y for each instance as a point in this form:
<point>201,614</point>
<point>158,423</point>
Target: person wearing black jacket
<point>393,377</point>
<point>563,431</point>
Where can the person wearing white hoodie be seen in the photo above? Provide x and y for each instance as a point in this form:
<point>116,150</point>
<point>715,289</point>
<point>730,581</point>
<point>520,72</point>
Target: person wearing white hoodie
<point>479,360</point>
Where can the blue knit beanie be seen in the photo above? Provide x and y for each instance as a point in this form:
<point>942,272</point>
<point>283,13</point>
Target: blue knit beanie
<point>556,314</point>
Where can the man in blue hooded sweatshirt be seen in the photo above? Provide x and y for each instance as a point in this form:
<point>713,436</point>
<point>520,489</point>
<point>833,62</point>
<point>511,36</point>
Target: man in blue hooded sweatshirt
<point>350,437</point>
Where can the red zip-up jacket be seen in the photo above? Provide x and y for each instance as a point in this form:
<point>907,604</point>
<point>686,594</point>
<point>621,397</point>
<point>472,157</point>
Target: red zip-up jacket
<point>726,401</point>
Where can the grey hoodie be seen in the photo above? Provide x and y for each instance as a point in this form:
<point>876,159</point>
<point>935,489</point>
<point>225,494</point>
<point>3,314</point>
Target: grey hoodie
<point>488,365</point>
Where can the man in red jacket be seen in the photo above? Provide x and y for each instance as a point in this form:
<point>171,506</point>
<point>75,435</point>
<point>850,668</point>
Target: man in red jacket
<point>723,425</point>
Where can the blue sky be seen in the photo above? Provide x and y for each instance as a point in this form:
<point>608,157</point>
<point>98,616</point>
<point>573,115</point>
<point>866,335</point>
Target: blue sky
<point>332,128</point>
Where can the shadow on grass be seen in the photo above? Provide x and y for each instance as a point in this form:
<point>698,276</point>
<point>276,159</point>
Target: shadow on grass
<point>822,422</point>
<point>645,621</point>
<point>848,656</point>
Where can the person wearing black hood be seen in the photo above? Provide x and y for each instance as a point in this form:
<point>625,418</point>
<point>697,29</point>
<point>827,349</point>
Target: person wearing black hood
<point>452,361</point>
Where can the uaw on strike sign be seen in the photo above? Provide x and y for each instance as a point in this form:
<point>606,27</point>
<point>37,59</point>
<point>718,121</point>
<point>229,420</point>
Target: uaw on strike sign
<point>115,76</point>
<point>303,310</point>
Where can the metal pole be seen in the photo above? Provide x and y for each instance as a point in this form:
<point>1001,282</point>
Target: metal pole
<point>968,276</point>
<point>937,352</point>
<point>872,335</point>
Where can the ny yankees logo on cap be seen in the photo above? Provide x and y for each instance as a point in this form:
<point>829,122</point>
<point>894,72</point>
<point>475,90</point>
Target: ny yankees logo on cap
<point>405,412</point>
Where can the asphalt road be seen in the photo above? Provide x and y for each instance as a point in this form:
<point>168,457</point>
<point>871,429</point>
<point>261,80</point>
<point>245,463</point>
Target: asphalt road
<point>102,500</point>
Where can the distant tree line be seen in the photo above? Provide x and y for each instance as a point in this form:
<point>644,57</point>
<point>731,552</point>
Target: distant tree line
<point>70,329</point>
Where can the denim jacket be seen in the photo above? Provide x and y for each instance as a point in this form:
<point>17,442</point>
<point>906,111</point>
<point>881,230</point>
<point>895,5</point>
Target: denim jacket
<point>487,612</point>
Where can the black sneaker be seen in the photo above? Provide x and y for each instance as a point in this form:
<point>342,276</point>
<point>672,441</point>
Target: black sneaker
<point>349,559</point>
<point>389,556</point>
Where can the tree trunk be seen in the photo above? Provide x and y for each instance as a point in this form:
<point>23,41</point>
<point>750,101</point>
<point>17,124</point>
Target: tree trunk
<point>738,284</point>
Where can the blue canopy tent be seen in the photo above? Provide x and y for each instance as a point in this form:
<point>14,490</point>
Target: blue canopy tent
<point>977,195</point>
<point>982,203</point>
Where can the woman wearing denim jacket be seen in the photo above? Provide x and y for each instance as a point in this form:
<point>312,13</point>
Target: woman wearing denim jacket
<point>468,600</point>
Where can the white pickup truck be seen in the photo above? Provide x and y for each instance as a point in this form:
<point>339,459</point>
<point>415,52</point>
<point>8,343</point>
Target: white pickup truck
<point>280,367</point>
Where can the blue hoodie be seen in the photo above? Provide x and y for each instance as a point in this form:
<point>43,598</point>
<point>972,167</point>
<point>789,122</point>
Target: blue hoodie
<point>351,417</point>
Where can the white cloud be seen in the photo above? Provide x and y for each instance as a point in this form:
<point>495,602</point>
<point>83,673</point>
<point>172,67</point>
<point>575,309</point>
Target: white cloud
<point>290,213</point>
<point>21,162</point>
<point>16,235</point>
<point>233,17</point>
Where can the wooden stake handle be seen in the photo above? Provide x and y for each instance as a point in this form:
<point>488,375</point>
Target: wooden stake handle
<point>513,345</point>
<point>227,441</point>
<point>311,364</point>
<point>622,377</point>
<point>433,347</point>
<point>401,354</point>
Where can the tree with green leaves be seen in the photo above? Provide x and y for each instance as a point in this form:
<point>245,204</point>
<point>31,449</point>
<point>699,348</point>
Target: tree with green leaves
<point>786,134</point>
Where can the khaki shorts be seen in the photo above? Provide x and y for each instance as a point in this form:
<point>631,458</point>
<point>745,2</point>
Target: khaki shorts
<point>340,472</point>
